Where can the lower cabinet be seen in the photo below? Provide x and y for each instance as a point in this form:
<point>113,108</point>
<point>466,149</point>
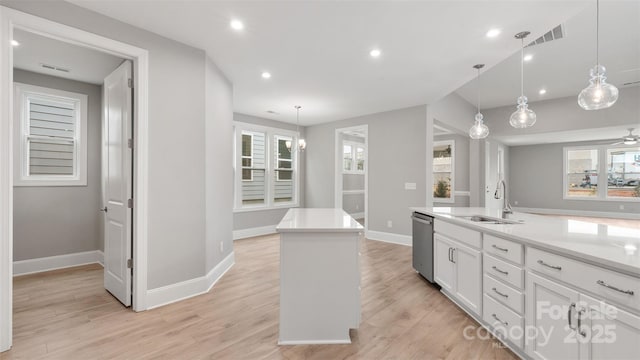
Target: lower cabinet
<point>458,269</point>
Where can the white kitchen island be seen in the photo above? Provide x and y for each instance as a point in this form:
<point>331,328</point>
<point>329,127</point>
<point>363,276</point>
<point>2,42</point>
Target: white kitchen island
<point>319,276</point>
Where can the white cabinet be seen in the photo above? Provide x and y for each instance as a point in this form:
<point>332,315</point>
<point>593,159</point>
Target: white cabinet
<point>551,313</point>
<point>458,269</point>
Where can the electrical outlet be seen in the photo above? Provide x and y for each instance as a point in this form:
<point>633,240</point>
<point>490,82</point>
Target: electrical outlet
<point>389,223</point>
<point>221,246</point>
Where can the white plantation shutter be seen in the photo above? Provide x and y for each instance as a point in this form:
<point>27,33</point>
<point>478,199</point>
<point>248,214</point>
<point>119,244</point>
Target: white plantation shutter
<point>51,137</point>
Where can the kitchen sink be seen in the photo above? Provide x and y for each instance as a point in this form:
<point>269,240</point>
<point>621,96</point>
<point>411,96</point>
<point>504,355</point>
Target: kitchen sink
<point>490,220</point>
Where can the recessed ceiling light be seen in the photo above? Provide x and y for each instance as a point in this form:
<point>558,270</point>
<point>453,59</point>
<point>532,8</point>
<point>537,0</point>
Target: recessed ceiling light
<point>237,25</point>
<point>266,75</point>
<point>528,57</point>
<point>542,91</point>
<point>493,33</point>
<point>14,43</point>
<point>375,53</point>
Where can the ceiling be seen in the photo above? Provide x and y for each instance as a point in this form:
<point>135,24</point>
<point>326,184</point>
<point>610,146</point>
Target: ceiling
<point>318,51</point>
<point>561,67</point>
<point>83,64</point>
<point>608,135</point>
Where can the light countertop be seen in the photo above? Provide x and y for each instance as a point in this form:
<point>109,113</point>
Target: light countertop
<point>613,247</point>
<point>318,220</point>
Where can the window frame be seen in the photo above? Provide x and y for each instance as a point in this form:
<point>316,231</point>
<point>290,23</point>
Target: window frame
<point>23,94</point>
<point>270,165</point>
<point>452,197</point>
<point>354,160</point>
<point>250,157</point>
<point>602,172</point>
<point>278,138</point>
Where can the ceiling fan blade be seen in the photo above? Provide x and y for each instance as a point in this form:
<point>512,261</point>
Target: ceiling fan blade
<point>618,143</point>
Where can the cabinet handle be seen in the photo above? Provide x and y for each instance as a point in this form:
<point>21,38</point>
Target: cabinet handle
<point>500,321</point>
<point>453,252</point>
<point>500,271</point>
<point>602,283</point>
<point>571,307</point>
<point>450,255</point>
<point>579,328</point>
<point>549,266</point>
<point>499,293</point>
<point>499,248</point>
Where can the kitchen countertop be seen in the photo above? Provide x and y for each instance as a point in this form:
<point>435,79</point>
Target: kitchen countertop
<point>613,247</point>
<point>318,220</point>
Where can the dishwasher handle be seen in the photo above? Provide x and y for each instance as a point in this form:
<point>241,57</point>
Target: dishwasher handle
<point>423,221</point>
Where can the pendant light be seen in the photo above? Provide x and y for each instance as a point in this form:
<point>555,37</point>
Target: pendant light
<point>522,117</point>
<point>301,143</point>
<point>479,130</point>
<point>598,95</point>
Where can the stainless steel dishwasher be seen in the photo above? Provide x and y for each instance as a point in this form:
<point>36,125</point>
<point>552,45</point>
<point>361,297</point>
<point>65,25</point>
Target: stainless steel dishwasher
<point>423,245</point>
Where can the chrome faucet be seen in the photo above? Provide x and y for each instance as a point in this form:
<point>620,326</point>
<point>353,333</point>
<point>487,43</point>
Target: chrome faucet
<point>506,207</point>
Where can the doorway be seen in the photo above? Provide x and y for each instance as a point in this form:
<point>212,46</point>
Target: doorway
<point>12,23</point>
<point>351,172</point>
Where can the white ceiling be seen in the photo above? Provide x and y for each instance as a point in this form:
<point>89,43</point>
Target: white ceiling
<point>318,51</point>
<point>84,64</point>
<point>562,66</point>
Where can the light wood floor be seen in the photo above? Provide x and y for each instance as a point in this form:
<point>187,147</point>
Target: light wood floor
<point>67,314</point>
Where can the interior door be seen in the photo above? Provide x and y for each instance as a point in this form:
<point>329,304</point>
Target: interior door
<point>117,181</point>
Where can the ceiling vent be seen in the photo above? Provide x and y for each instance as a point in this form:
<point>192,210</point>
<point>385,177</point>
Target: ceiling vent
<point>554,34</point>
<point>273,112</point>
<point>52,67</point>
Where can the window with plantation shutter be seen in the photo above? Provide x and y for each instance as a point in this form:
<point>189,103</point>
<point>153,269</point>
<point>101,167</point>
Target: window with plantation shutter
<point>52,137</point>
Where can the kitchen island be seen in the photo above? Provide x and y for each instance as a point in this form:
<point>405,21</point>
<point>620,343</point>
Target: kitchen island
<point>319,276</point>
<point>547,287</point>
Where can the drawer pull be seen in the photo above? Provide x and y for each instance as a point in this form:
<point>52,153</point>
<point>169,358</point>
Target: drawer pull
<point>499,248</point>
<point>549,266</point>
<point>500,271</point>
<point>579,328</point>
<point>499,293</point>
<point>500,321</point>
<point>571,307</point>
<point>602,283</point>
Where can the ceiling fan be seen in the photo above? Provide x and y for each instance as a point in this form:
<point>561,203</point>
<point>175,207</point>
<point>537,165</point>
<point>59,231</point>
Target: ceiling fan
<point>630,139</point>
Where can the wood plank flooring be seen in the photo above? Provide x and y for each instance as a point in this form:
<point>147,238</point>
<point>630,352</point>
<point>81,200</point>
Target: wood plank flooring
<point>67,314</point>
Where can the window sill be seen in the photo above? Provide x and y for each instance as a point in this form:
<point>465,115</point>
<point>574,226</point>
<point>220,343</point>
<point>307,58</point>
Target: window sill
<point>619,199</point>
<point>265,208</point>
<point>48,183</point>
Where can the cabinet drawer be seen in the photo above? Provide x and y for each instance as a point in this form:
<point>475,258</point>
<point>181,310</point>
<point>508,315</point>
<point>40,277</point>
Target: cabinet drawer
<point>504,271</point>
<point>504,294</point>
<point>505,249</point>
<point>502,320</point>
<point>459,233</point>
<point>594,279</point>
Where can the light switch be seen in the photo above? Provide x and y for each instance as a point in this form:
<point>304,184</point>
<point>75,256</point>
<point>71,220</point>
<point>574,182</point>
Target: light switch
<point>409,186</point>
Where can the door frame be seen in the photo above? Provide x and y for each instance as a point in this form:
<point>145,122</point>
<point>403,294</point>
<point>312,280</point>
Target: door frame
<point>11,19</point>
<point>337,203</point>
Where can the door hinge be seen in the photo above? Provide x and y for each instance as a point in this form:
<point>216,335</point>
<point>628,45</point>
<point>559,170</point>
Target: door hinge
<point>130,83</point>
<point>130,264</point>
<point>130,203</point>
<point>130,143</point>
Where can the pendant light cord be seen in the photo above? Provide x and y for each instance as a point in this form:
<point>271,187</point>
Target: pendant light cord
<point>298,120</point>
<point>478,91</point>
<point>522,67</point>
<point>598,36</point>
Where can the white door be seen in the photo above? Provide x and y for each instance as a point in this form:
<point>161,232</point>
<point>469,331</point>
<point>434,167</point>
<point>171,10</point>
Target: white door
<point>607,332</point>
<point>117,181</point>
<point>468,275</point>
<point>552,310</point>
<point>443,266</point>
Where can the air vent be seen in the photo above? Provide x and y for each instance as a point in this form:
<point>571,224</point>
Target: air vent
<point>273,112</point>
<point>52,67</point>
<point>554,34</point>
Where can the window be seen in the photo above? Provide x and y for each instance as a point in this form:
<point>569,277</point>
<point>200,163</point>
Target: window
<point>602,172</point>
<point>267,175</point>
<point>443,171</point>
<point>353,157</point>
<point>51,129</point>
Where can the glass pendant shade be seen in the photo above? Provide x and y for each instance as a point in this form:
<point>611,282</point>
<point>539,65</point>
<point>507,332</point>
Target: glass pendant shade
<point>598,95</point>
<point>479,130</point>
<point>288,144</point>
<point>302,144</point>
<point>523,117</point>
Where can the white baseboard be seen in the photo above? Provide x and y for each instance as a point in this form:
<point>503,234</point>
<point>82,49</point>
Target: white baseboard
<point>187,289</point>
<point>358,215</point>
<point>389,237</point>
<point>313,342</point>
<point>31,266</point>
<point>256,231</point>
<point>604,214</point>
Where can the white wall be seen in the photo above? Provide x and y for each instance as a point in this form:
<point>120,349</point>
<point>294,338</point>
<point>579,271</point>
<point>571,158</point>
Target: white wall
<point>59,220</point>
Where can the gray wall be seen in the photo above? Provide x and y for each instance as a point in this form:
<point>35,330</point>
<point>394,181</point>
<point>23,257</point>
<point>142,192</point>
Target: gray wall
<point>58,220</point>
<point>536,176</point>
<point>259,218</point>
<point>177,107</point>
<point>461,168</point>
<point>396,155</point>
